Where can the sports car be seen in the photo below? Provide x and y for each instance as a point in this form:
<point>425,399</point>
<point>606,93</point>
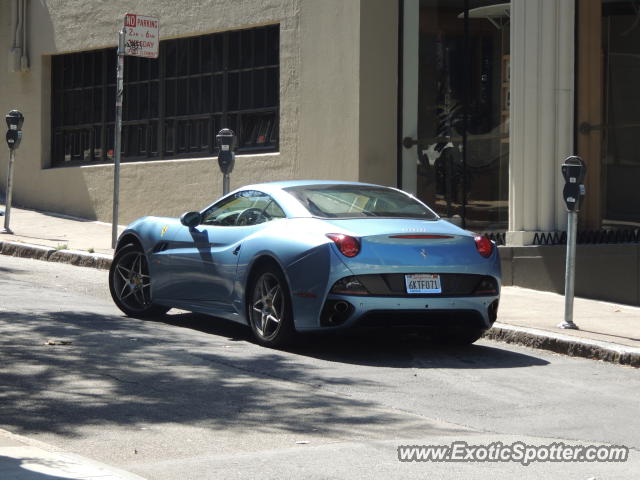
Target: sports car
<point>308,256</point>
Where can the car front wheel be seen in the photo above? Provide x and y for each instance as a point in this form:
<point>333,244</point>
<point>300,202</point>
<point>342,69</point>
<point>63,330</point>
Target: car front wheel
<point>130,283</point>
<point>269,308</point>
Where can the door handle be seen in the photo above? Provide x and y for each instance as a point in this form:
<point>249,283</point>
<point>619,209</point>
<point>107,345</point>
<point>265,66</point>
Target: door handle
<point>408,142</point>
<point>585,128</point>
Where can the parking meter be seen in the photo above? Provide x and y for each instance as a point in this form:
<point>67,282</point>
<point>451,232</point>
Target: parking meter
<point>226,143</point>
<point>14,119</point>
<point>226,140</point>
<point>573,170</point>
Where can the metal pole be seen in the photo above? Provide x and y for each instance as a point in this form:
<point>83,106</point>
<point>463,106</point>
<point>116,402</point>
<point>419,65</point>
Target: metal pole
<point>117,140</point>
<point>225,184</point>
<point>570,272</point>
<point>7,211</point>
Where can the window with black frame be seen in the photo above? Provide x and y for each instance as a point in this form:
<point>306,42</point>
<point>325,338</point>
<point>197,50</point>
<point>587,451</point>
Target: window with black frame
<point>174,105</point>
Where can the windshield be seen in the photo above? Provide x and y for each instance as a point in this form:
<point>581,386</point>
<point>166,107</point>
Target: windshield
<point>359,201</point>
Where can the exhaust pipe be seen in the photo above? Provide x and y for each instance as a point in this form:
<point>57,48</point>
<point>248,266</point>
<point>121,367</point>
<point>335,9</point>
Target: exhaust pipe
<point>341,307</point>
<point>336,312</point>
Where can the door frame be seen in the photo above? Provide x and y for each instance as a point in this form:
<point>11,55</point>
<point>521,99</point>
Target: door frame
<point>589,107</point>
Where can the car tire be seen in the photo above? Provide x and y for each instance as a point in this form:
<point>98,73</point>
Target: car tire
<point>269,308</point>
<point>130,283</point>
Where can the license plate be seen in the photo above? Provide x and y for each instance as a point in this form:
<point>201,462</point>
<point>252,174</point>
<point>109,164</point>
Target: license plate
<point>423,283</point>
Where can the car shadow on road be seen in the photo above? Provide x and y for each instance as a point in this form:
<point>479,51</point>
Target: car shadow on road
<point>412,350</point>
<point>382,348</point>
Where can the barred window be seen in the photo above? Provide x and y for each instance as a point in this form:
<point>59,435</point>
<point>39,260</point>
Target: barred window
<point>174,105</point>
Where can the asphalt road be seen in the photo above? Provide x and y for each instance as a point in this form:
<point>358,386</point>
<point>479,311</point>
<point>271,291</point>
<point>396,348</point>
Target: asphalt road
<point>190,397</point>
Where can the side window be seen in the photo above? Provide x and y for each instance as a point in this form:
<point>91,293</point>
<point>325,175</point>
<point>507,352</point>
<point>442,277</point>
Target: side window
<point>244,208</point>
<point>273,211</point>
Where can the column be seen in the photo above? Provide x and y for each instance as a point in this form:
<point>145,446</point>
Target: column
<point>541,115</point>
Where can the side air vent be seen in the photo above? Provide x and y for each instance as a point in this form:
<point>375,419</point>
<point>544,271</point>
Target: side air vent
<point>160,247</point>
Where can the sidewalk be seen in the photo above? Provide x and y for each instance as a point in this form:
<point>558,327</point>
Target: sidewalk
<point>608,331</point>
<point>26,459</point>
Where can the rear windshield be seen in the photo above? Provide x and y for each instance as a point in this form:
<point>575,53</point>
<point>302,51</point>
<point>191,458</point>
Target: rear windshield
<point>356,201</point>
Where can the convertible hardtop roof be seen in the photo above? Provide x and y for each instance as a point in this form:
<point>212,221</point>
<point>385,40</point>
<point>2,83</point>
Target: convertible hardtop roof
<point>280,185</point>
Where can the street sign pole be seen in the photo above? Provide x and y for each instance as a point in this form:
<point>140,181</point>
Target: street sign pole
<point>118,139</point>
<point>7,210</point>
<point>139,37</point>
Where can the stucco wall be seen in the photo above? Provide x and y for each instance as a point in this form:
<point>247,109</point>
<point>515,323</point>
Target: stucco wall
<point>329,89</point>
<point>325,132</point>
<point>378,98</point>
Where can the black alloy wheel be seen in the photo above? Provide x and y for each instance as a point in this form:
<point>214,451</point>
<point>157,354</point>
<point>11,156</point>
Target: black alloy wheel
<point>130,283</point>
<point>269,308</point>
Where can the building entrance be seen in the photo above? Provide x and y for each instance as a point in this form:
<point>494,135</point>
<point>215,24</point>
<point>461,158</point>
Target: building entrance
<point>456,64</point>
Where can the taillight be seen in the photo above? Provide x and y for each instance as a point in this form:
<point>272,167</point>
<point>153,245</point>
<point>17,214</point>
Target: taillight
<point>486,286</point>
<point>484,245</point>
<point>348,246</point>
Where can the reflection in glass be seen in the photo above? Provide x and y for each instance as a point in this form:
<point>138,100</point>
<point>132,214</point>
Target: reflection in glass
<point>463,110</point>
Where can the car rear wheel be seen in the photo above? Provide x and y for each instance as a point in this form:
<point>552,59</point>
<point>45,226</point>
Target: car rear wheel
<point>130,283</point>
<point>269,308</point>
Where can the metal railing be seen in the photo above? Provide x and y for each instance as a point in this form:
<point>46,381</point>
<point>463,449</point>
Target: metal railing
<point>585,237</point>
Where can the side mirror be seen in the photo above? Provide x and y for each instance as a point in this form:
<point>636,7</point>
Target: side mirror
<point>191,219</point>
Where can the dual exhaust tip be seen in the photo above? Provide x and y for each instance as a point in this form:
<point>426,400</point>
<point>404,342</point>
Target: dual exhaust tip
<point>335,312</point>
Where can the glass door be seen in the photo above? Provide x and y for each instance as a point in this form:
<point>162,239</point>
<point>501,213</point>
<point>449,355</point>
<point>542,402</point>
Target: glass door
<point>621,112</point>
<point>608,110</point>
<point>456,70</point>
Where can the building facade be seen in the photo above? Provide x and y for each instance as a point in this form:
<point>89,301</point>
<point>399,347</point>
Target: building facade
<point>309,68</point>
<point>472,105</point>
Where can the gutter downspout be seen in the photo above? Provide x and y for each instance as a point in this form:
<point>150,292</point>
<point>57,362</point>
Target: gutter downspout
<point>15,52</point>
<point>18,59</point>
<point>24,59</point>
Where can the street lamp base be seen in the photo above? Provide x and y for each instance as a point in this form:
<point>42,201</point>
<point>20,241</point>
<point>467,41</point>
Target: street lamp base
<point>6,231</point>
<point>568,326</point>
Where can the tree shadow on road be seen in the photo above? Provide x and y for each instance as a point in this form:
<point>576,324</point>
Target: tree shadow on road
<point>62,371</point>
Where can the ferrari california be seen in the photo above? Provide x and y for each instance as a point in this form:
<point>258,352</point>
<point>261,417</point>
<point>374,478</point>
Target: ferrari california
<point>308,256</point>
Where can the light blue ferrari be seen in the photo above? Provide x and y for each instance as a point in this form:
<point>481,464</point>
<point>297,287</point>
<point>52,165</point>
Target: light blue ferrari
<point>303,256</point>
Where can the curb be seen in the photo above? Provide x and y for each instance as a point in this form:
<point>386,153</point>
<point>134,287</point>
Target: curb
<point>565,344</point>
<point>73,257</point>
